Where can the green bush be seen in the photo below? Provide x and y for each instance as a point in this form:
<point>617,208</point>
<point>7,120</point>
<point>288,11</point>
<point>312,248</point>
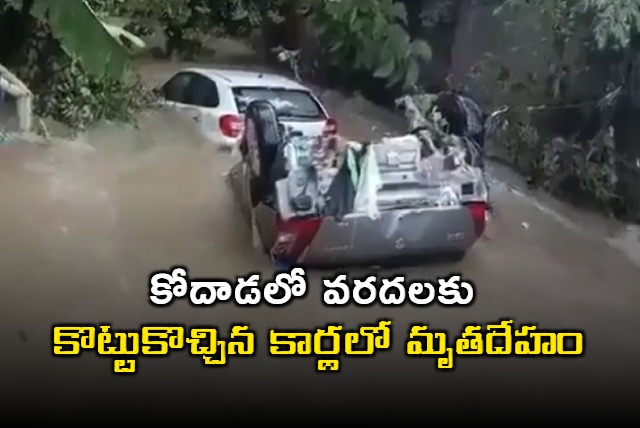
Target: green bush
<point>370,36</point>
<point>66,92</point>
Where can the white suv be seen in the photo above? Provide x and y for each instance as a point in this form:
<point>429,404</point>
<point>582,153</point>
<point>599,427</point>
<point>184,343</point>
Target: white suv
<point>215,99</point>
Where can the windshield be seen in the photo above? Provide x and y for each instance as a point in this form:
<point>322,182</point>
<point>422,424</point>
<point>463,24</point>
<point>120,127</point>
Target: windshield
<point>289,103</point>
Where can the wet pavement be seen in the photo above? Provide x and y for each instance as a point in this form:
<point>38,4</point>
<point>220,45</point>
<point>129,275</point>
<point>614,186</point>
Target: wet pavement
<point>82,226</point>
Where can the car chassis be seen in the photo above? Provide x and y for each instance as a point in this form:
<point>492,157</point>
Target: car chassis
<point>419,195</point>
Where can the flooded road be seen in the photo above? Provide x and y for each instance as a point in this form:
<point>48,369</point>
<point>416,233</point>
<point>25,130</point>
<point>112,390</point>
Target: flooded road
<point>82,226</point>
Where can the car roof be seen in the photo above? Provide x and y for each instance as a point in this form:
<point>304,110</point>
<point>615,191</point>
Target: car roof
<point>248,78</point>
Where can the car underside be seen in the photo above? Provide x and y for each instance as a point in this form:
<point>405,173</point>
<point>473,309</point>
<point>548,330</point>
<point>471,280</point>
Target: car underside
<point>327,201</point>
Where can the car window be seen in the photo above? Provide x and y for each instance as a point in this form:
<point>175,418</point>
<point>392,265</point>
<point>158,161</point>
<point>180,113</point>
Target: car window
<point>289,103</point>
<point>174,89</point>
<point>202,92</point>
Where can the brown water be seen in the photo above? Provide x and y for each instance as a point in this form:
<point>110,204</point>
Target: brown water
<point>117,196</point>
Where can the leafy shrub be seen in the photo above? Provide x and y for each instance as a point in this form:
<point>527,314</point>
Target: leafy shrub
<point>585,168</point>
<point>79,99</point>
<point>370,36</point>
<point>65,92</point>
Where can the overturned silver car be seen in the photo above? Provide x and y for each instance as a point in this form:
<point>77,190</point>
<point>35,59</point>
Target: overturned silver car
<point>326,201</point>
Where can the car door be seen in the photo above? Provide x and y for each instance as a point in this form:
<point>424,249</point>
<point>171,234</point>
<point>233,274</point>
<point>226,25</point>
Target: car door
<point>176,96</point>
<point>201,103</point>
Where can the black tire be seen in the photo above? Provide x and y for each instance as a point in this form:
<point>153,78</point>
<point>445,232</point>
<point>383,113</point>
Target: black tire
<point>261,117</point>
<point>448,105</point>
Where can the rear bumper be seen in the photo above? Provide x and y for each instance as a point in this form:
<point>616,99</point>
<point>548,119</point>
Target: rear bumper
<point>396,234</point>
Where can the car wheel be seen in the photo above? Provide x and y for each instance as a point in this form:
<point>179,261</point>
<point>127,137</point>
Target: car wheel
<point>252,156</point>
<point>262,137</point>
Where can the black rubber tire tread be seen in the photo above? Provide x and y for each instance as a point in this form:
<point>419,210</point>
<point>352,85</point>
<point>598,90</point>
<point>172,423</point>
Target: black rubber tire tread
<point>264,117</point>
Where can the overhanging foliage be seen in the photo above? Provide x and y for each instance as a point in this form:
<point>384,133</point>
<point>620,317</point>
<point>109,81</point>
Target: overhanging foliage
<point>83,36</point>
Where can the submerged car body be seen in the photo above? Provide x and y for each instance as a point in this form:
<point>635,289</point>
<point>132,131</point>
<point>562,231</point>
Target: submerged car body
<point>386,200</point>
<point>215,100</point>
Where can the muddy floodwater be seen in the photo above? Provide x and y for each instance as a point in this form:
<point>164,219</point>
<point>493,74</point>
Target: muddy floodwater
<point>83,225</point>
<point>114,198</point>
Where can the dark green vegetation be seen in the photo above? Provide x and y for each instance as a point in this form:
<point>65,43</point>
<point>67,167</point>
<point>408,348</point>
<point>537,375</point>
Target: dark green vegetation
<point>81,74</point>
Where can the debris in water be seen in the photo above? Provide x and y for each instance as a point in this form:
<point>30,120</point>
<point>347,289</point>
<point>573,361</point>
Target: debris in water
<point>525,225</point>
<point>64,229</point>
<point>23,336</point>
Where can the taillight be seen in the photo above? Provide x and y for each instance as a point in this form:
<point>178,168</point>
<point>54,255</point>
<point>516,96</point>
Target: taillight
<point>231,125</point>
<point>294,236</point>
<point>479,215</point>
<point>330,127</point>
